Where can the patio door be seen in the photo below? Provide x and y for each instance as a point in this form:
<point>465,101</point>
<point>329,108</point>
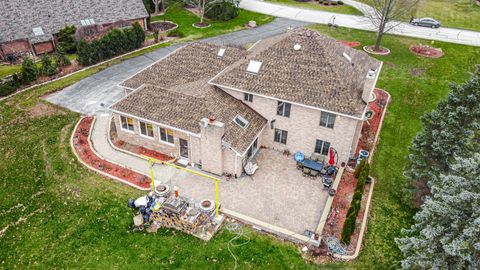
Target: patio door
<point>183,148</point>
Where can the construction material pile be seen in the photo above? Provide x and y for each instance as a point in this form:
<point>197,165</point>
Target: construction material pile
<point>163,209</point>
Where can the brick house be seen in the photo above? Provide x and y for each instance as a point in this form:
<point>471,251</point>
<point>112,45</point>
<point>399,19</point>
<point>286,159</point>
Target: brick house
<point>30,26</point>
<point>217,105</point>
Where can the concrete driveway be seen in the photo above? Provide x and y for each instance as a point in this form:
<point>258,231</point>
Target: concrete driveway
<point>97,92</point>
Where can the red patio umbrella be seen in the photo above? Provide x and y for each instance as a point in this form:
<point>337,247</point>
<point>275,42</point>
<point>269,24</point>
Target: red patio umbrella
<point>332,157</point>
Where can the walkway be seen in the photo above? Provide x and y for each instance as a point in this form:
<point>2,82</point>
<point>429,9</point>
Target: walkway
<point>359,22</point>
<point>277,194</point>
<point>100,90</point>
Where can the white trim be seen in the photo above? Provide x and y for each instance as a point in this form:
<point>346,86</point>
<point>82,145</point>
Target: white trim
<point>160,137</point>
<point>155,123</point>
<point>121,125</point>
<point>140,130</point>
<point>298,104</point>
<point>254,44</point>
<point>374,86</point>
<point>256,137</point>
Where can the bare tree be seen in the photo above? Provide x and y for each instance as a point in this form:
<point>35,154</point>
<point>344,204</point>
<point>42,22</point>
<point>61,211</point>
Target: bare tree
<point>202,6</point>
<point>159,6</point>
<point>386,15</point>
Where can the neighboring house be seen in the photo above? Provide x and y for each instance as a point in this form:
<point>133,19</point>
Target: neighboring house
<point>30,26</point>
<point>216,105</point>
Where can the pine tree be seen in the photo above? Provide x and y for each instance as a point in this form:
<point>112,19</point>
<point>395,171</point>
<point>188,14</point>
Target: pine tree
<point>61,59</point>
<point>447,132</point>
<point>48,67</point>
<point>446,234</point>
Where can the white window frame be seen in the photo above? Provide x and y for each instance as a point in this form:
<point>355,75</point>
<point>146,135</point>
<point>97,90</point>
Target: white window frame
<point>166,136</point>
<point>329,117</point>
<point>281,136</point>
<point>126,119</point>
<point>322,148</point>
<point>283,112</point>
<point>146,128</point>
<point>239,117</point>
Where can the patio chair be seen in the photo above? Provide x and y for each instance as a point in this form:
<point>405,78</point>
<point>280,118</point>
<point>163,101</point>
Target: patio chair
<point>306,171</point>
<point>299,165</point>
<point>314,173</point>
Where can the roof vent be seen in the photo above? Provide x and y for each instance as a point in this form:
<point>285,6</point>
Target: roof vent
<point>38,31</point>
<point>349,59</point>
<point>297,47</point>
<point>221,52</point>
<point>371,73</point>
<point>254,66</point>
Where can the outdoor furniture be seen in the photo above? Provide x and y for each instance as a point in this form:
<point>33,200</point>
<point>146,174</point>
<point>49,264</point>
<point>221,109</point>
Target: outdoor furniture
<point>327,181</point>
<point>314,173</point>
<point>312,165</point>
<point>306,171</point>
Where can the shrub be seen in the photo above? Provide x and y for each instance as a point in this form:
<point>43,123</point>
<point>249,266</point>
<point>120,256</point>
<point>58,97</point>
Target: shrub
<point>29,70</point>
<point>359,168</point>
<point>176,33</point>
<point>48,67</point>
<point>66,40</point>
<point>9,87</point>
<point>113,43</point>
<point>61,59</point>
<point>223,10</point>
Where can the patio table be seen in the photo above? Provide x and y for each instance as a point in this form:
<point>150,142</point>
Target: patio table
<point>307,163</point>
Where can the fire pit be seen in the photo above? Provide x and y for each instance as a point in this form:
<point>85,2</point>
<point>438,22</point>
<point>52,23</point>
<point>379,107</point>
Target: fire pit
<point>207,206</point>
<point>162,190</point>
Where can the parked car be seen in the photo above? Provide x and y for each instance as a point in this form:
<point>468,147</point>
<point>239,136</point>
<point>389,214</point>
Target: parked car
<point>426,22</point>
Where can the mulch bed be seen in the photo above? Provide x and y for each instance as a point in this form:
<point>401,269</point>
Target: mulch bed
<point>86,154</point>
<point>161,26</point>
<point>201,24</point>
<point>426,51</point>
<point>382,51</point>
<point>350,43</point>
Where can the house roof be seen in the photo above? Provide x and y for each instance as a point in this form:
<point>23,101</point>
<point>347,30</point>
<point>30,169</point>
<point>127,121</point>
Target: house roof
<point>189,64</point>
<point>19,17</point>
<point>184,111</point>
<point>175,92</point>
<point>318,74</point>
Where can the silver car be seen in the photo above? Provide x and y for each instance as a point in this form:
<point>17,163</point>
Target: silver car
<point>426,22</point>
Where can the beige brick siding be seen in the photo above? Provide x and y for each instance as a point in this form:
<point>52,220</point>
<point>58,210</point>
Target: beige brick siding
<point>303,127</point>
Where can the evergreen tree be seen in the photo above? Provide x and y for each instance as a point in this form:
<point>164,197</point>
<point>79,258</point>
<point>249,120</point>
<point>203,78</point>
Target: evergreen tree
<point>139,35</point>
<point>66,39</point>
<point>447,132</point>
<point>29,70</point>
<point>48,67</point>
<point>61,59</point>
<point>85,53</point>
<point>446,234</point>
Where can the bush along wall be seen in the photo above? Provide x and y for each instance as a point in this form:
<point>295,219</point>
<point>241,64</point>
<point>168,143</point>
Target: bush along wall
<point>355,205</point>
<point>114,43</point>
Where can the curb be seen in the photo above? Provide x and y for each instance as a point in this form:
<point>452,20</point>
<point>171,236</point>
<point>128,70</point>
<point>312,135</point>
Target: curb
<point>328,204</point>
<point>93,168</point>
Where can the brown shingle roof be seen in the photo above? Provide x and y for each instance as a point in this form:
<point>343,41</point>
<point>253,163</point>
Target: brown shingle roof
<point>184,111</point>
<point>317,75</point>
<point>188,64</point>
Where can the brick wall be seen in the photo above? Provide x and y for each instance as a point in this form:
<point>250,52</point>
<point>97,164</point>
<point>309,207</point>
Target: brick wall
<point>44,47</point>
<point>14,47</point>
<point>303,127</point>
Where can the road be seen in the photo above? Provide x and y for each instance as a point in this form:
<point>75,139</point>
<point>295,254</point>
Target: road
<point>452,35</point>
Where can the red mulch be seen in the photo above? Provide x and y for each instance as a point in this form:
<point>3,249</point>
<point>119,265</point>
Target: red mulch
<point>427,51</point>
<point>82,147</point>
<point>140,150</point>
<point>350,43</point>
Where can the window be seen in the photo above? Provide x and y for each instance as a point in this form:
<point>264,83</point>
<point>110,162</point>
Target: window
<point>254,66</point>
<point>242,122</point>
<point>87,22</point>
<point>283,109</point>
<point>327,119</point>
<point>248,97</point>
<point>146,129</point>
<point>322,147</point>
<point>221,52</point>
<point>280,136</point>
<point>127,123</point>
<point>166,135</point>
<point>38,31</point>
<point>253,149</point>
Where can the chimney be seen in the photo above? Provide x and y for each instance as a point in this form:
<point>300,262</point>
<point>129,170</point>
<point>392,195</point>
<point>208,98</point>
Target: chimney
<point>368,86</point>
<point>211,132</point>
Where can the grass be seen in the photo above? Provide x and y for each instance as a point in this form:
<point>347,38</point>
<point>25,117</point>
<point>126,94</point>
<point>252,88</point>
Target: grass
<point>185,19</point>
<point>345,9</point>
<point>7,70</point>
<point>412,95</point>
<point>450,13</point>
<point>86,223</point>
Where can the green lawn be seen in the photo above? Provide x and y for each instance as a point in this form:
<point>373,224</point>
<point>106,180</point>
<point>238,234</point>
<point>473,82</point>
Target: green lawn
<point>345,9</point>
<point>87,224</point>
<point>185,19</point>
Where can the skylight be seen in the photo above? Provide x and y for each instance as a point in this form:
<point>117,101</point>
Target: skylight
<point>87,22</point>
<point>242,122</point>
<point>38,31</point>
<point>221,52</point>
<point>254,66</point>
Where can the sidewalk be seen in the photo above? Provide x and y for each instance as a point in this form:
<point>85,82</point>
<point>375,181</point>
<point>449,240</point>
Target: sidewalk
<point>451,35</point>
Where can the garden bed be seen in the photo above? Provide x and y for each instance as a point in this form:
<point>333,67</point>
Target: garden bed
<point>382,51</point>
<point>426,51</point>
<point>162,26</point>
<point>80,142</point>
<point>350,43</point>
